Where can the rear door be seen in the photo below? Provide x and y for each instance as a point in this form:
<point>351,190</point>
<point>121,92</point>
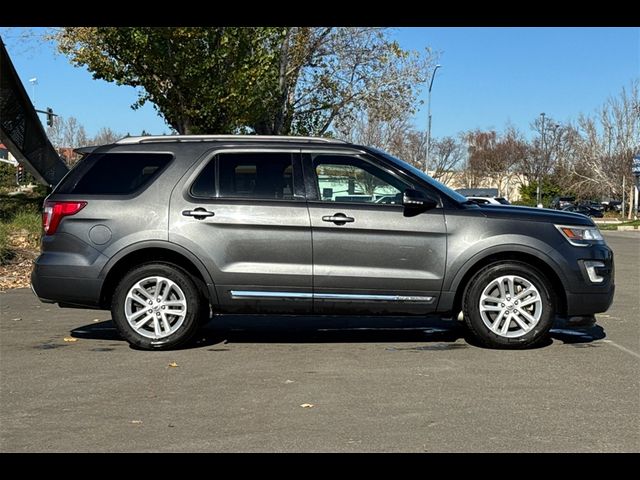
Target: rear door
<point>243,211</point>
<point>368,256</point>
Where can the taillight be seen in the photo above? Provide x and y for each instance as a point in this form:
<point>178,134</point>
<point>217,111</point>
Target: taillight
<point>54,212</point>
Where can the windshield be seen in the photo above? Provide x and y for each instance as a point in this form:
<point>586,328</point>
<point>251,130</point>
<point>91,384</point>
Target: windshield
<point>419,173</point>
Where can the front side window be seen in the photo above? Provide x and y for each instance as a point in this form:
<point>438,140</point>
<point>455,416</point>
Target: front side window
<point>343,178</point>
<point>256,175</point>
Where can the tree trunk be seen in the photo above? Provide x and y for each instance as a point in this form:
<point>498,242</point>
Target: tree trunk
<point>283,93</point>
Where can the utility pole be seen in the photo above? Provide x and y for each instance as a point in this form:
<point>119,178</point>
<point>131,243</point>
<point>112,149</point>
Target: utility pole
<point>541,162</point>
<point>426,160</point>
<point>33,81</point>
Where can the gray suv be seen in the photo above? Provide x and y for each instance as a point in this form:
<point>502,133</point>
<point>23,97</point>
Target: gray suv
<point>165,231</point>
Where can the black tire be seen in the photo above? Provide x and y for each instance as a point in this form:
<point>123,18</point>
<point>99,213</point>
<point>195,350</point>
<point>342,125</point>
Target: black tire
<point>474,319</point>
<point>196,307</point>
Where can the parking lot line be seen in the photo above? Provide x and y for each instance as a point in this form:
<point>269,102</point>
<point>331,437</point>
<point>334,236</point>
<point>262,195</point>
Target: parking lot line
<point>624,349</point>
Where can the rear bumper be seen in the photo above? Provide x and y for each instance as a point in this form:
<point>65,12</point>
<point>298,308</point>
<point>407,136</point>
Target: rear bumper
<point>66,291</point>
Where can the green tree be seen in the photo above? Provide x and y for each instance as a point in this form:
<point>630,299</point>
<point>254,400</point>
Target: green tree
<point>548,190</point>
<point>202,80</point>
<point>302,80</point>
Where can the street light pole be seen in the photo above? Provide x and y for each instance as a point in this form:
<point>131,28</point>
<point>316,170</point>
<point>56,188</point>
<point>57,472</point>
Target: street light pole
<point>33,81</point>
<point>541,161</point>
<point>426,160</point>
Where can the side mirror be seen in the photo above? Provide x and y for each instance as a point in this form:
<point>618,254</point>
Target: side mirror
<point>415,201</point>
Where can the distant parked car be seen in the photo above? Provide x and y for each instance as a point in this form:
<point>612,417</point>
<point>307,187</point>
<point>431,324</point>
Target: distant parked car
<point>584,210</point>
<point>559,203</point>
<point>612,206</point>
<point>490,200</point>
<point>592,204</point>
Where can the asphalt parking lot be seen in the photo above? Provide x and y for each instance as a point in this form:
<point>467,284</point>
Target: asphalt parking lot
<point>242,387</point>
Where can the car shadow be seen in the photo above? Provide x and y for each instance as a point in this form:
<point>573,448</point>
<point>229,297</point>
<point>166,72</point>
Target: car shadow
<point>439,334</point>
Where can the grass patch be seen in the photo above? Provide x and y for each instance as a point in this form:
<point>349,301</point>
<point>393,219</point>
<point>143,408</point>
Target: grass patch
<point>20,224</point>
<point>5,250</point>
<point>633,223</point>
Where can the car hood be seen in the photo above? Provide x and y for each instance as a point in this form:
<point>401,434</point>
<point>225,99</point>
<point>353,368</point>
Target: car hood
<point>532,214</point>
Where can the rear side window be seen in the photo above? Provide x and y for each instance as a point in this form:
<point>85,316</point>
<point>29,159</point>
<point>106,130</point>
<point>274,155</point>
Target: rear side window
<point>114,173</point>
<point>256,175</point>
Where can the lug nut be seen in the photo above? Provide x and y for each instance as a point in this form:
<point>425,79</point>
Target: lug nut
<point>149,311</point>
<point>502,304</point>
<point>157,314</point>
<point>150,302</point>
<point>163,307</point>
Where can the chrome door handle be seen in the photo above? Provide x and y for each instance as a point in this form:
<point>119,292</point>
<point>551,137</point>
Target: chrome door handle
<point>338,219</point>
<point>198,213</point>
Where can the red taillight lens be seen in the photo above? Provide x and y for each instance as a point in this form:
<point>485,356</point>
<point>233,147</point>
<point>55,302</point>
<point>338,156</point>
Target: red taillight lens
<point>55,211</point>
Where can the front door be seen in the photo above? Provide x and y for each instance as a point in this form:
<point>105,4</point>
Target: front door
<point>243,212</point>
<point>368,256</point>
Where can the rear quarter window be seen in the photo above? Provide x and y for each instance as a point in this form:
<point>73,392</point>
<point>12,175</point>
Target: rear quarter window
<point>114,173</point>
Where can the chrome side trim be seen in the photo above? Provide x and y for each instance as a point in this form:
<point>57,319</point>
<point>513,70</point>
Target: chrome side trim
<point>240,294</point>
<point>372,297</point>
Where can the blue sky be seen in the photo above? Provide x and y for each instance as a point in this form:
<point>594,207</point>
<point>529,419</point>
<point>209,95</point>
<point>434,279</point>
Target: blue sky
<point>489,76</point>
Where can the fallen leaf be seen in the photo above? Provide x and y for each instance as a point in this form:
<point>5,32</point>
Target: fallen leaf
<point>70,339</point>
<point>136,422</point>
<point>173,364</point>
<point>96,319</point>
<point>288,381</point>
<point>16,319</point>
<point>307,405</point>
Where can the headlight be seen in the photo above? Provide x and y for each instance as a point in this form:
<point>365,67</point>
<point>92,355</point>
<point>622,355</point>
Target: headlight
<point>580,236</point>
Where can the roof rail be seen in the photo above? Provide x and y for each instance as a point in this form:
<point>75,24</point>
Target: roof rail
<point>209,138</point>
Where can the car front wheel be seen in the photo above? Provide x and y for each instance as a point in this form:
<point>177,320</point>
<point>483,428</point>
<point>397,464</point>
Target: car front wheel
<point>509,305</point>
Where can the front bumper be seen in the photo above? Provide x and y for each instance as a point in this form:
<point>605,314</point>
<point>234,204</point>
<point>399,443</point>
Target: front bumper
<point>585,297</point>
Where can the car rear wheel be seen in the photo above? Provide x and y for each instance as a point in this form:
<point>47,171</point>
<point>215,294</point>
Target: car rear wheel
<point>509,305</point>
<point>157,307</point>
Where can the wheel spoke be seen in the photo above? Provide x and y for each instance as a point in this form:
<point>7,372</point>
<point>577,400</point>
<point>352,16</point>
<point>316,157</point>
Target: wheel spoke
<point>156,326</point>
<point>144,321</point>
<point>501,287</point>
<point>161,285</point>
<point>137,314</point>
<point>142,291</point>
<point>527,316</point>
<point>519,321</point>
<point>512,290</point>
<point>133,295</point>
<point>494,326</point>
<point>174,303</point>
<point>491,299</point>
<point>524,293</point>
<point>492,308</point>
<point>528,301</point>
<point>165,323</point>
<point>506,324</point>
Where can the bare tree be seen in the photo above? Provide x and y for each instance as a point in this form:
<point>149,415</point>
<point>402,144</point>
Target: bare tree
<point>446,157</point>
<point>399,137</point>
<point>607,143</point>
<point>105,136</point>
<point>495,159</point>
